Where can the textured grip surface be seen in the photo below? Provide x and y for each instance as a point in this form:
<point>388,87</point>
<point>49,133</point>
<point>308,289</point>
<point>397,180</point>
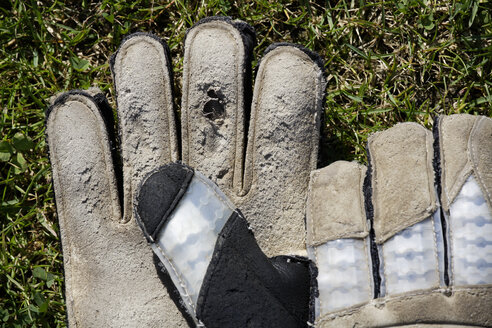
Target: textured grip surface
<point>189,237</point>
<point>410,259</point>
<point>471,236</point>
<point>344,280</point>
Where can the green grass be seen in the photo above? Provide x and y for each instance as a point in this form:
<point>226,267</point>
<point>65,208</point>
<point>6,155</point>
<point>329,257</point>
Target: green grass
<point>386,62</point>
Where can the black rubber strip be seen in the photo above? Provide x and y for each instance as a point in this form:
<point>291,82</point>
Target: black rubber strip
<point>313,291</point>
<point>436,163</point>
<point>243,288</point>
<point>367,188</point>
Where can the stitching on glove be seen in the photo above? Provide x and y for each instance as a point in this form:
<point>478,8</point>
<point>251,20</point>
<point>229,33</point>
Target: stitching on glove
<point>369,269</point>
<point>316,261</point>
<point>383,279</point>
<point>442,160</point>
<point>436,257</point>
<point>400,298</point>
<point>183,285</point>
<point>362,175</point>
<point>449,237</point>
<point>310,209</point>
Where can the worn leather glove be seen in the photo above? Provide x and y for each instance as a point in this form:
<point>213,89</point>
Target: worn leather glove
<point>407,240</point>
<point>110,274</point>
<point>259,147</point>
<point>387,254</point>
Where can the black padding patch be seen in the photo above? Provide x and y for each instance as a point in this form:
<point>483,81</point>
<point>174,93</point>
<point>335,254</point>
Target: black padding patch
<point>243,288</point>
<point>158,195</point>
<point>436,164</point>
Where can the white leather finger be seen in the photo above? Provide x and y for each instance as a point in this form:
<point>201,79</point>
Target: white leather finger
<point>216,99</point>
<point>282,146</point>
<point>142,76</point>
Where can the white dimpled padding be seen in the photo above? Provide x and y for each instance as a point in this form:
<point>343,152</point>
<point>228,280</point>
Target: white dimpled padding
<point>186,243</point>
<point>343,278</point>
<point>410,259</point>
<point>471,236</point>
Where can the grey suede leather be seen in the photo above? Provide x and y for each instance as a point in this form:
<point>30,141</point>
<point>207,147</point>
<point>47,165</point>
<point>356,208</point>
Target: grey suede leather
<point>141,73</point>
<point>110,276</point>
<point>283,129</point>
<point>282,148</point>
<point>463,156</point>
<point>335,192</point>
<point>454,136</point>
<point>402,178</point>
<point>215,79</point>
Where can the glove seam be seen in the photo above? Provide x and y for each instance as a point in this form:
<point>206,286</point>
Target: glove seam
<point>435,248</point>
<point>451,251</point>
<point>399,298</point>
<point>179,278</point>
<point>472,153</point>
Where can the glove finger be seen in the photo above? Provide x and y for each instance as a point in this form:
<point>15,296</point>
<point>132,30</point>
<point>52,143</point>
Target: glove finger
<point>360,252</point>
<point>337,236</point>
<point>109,271</point>
<point>465,156</point>
<point>403,198</point>
<point>142,76</point>
<point>83,173</point>
<point>282,146</point>
<point>462,235</point>
<point>85,187</point>
<point>216,96</point>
